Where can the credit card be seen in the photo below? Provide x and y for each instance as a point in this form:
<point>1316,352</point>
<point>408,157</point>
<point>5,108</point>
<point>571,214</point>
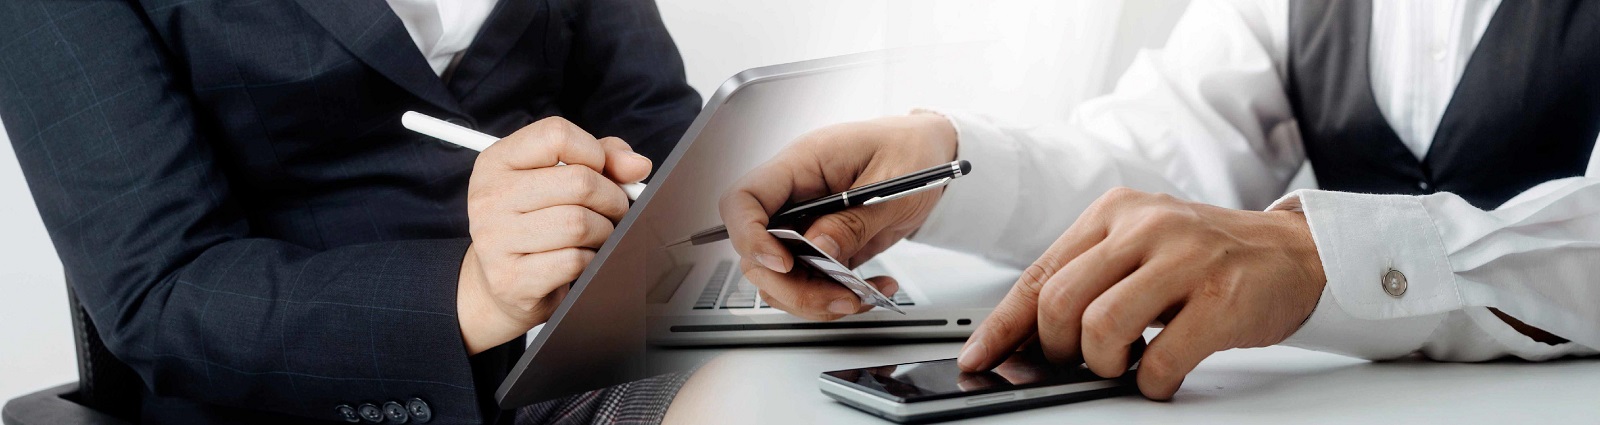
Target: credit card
<point>821,262</point>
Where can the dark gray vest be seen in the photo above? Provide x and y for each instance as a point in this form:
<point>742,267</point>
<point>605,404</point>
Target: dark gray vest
<point>1526,111</point>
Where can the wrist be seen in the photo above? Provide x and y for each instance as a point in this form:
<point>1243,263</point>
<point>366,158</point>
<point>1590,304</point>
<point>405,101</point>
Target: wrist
<point>938,131</point>
<point>1308,261</point>
<point>474,308</point>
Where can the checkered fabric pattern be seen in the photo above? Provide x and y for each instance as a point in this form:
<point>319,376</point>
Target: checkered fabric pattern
<point>634,403</point>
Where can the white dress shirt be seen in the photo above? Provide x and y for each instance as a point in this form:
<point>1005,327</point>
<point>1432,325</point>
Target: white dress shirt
<point>1207,118</point>
<point>442,29</point>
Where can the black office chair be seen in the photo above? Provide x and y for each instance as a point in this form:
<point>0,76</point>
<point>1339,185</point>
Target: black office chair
<point>107,391</point>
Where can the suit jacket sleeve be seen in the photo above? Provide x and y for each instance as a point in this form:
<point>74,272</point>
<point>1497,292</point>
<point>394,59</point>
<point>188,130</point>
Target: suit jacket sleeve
<point>143,219</point>
<point>625,77</point>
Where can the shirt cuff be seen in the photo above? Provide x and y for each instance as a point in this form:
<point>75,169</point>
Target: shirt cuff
<point>1360,239</point>
<point>991,188</point>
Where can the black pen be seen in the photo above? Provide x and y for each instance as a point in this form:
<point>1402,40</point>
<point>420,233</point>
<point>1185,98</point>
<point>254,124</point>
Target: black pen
<point>887,190</point>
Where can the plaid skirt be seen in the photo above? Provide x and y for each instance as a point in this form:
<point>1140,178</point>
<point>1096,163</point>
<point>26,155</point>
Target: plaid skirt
<point>638,402</point>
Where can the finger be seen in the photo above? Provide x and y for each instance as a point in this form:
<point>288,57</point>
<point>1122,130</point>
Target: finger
<point>1071,290</point>
<point>1016,317</point>
<point>538,275</point>
<point>802,293</point>
<point>1018,372</point>
<point>888,285</point>
<point>623,165</point>
<point>531,190</point>
<point>542,144</point>
<point>1116,319</point>
<point>746,210</point>
<point>778,304</point>
<point>1188,339</point>
<point>1004,330</point>
<point>876,245</point>
<point>554,228</point>
<point>843,233</point>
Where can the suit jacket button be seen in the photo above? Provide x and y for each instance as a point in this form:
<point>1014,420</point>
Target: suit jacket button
<point>370,413</point>
<point>347,413</point>
<point>419,410</point>
<point>396,413</point>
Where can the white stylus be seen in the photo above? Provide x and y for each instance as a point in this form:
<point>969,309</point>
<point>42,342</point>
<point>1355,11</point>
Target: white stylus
<point>470,139</point>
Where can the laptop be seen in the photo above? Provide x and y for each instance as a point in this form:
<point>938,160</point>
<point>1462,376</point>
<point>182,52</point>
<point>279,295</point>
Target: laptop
<point>639,292</point>
<point>944,295</point>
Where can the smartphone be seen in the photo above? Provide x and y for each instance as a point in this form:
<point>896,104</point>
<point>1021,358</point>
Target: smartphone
<point>824,264</point>
<point>938,390</point>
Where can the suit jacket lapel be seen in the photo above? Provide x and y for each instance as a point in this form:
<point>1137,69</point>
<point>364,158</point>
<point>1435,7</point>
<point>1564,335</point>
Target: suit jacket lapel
<point>371,31</point>
<point>499,35</point>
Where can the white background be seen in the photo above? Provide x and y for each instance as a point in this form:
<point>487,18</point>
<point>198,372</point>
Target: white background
<point>1043,56</point>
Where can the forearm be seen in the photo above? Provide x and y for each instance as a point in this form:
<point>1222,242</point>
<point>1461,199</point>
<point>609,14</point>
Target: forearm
<point>262,324</point>
<point>1028,186</point>
<point>1165,128</point>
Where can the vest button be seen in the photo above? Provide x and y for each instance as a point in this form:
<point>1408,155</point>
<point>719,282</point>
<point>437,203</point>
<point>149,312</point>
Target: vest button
<point>1424,186</point>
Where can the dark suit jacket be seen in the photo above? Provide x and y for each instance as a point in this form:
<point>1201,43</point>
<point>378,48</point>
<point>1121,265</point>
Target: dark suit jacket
<point>237,206</point>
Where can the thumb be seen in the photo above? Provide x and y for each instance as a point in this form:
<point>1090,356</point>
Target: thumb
<point>843,233</point>
<point>623,165</point>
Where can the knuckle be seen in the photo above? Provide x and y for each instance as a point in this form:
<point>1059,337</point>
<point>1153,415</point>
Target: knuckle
<point>728,200</point>
<point>1003,320</point>
<point>553,123</point>
<point>569,221</point>
<point>1119,193</point>
<point>501,282</point>
<point>570,262</point>
<point>1034,277</point>
<point>555,131</point>
<point>1109,201</point>
<point>1157,222</point>
<point>1168,216</point>
<point>1158,364</point>
<point>577,234</point>
<point>1054,299</point>
<point>1099,324</point>
<point>582,180</point>
<point>850,220</point>
<point>1224,293</point>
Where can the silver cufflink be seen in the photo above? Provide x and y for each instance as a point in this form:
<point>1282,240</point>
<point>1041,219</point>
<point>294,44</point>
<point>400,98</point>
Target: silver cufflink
<point>1394,283</point>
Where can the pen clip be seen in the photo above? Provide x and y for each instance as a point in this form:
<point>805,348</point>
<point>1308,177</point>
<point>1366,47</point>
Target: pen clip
<point>930,185</point>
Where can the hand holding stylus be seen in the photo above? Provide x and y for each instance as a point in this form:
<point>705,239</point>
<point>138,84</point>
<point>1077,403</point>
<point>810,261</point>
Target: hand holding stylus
<point>535,223</point>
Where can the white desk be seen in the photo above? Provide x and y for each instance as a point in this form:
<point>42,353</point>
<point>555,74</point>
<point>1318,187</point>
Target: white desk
<point>1277,385</point>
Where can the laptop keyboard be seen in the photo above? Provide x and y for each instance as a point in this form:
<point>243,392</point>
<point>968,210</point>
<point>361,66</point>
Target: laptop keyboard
<point>719,294</point>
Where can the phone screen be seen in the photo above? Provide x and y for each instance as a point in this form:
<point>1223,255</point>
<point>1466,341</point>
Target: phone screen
<point>938,379</point>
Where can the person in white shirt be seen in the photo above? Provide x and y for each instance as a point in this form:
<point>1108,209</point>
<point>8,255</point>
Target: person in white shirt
<point>1453,141</point>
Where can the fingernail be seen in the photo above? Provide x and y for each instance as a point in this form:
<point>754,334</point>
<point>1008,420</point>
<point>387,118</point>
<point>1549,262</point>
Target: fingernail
<point>771,262</point>
<point>968,360</point>
<point>827,245</point>
<point>842,306</point>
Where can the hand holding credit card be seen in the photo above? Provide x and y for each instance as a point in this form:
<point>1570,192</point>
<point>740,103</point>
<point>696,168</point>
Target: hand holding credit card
<point>820,261</point>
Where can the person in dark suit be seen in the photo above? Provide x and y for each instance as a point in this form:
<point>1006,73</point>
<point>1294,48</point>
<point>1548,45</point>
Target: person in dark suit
<point>240,211</point>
